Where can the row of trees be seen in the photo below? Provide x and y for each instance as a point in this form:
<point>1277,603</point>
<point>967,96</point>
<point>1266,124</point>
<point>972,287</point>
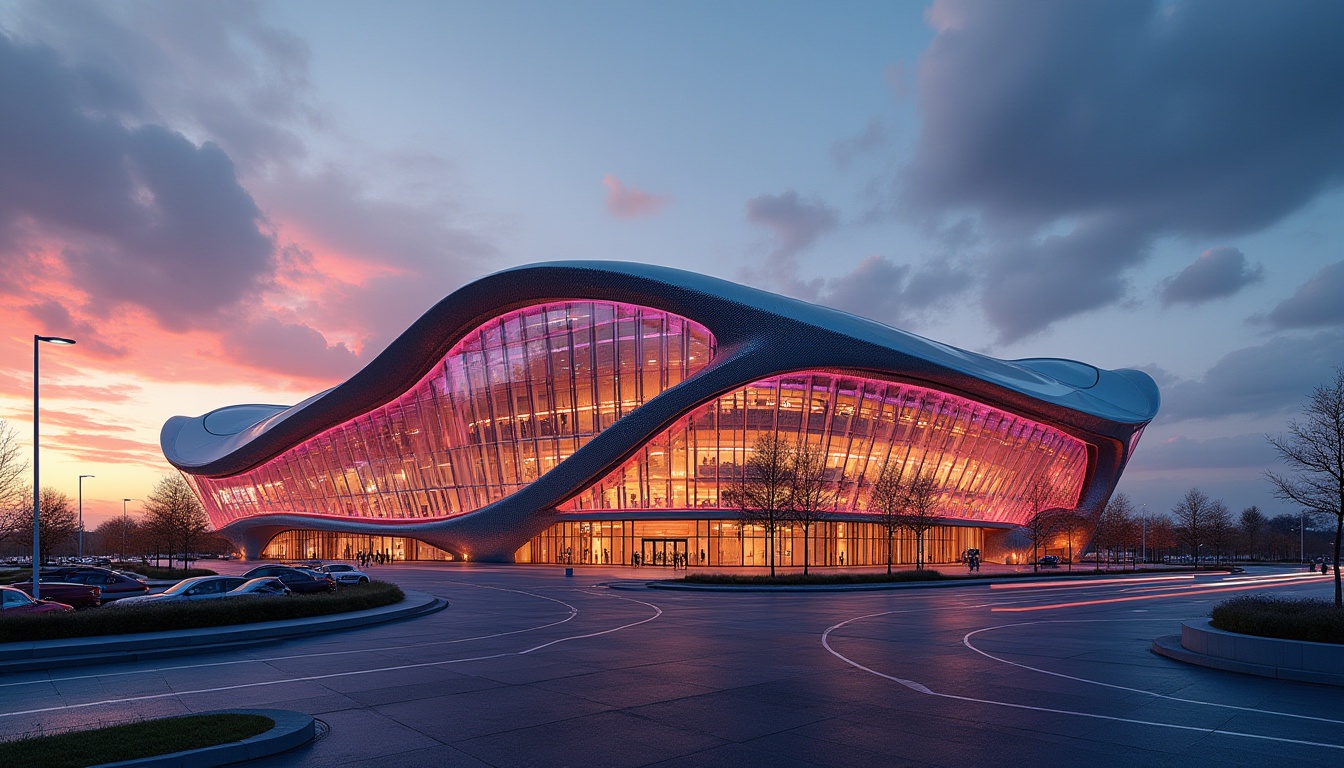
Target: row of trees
<point>786,481</point>
<point>174,523</point>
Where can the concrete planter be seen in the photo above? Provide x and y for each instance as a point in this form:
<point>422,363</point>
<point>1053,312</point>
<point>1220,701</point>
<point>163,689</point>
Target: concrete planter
<point>1200,643</point>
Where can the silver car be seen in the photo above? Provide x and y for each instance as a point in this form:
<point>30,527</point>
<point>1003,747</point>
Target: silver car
<point>345,575</point>
<point>196,588</point>
<point>262,586</point>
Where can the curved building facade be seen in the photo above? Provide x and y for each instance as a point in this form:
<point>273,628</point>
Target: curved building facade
<point>597,412</point>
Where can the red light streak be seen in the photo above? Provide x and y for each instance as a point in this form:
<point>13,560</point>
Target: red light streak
<point>1089,582</point>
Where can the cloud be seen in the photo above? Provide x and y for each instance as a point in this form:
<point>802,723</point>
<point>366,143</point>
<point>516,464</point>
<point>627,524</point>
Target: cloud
<point>1182,453</point>
<point>883,290</point>
<point>1089,130</point>
<point>145,217</point>
<point>628,203</point>
<point>795,223</point>
<point>1270,378</point>
<point>845,151</point>
<point>1317,302</point>
<point>1218,272</point>
<point>289,348</point>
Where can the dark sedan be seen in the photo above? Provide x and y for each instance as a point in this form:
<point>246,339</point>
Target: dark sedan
<point>301,580</point>
<point>16,602</point>
<point>113,585</point>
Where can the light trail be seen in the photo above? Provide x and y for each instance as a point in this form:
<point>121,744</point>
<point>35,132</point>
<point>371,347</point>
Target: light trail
<point>1188,592</point>
<point>1089,582</point>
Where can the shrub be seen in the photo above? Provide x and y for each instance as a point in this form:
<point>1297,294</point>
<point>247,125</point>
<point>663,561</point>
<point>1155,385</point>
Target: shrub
<point>204,613</point>
<point>1319,621</point>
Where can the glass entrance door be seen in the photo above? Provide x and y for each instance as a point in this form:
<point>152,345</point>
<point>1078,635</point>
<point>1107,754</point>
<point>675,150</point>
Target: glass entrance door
<point>664,552</point>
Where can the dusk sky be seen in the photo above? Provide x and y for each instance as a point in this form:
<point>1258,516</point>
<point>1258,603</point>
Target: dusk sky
<point>245,202</point>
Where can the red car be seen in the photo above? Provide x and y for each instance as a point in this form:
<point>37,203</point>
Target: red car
<point>15,602</point>
<point>113,584</point>
<point>73,595</point>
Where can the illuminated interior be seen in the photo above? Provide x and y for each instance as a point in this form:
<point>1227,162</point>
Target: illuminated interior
<point>984,459</point>
<point>509,402</point>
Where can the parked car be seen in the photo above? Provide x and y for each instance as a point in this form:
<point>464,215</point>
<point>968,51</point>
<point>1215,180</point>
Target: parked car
<point>300,580</point>
<point>263,586</point>
<point>1049,561</point>
<point>16,602</point>
<point>112,584</point>
<point>345,575</point>
<point>73,595</point>
<point>188,590</point>
<point>140,577</point>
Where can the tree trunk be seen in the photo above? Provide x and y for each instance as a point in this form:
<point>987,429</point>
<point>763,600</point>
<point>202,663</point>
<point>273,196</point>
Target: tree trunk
<point>890,536</point>
<point>1339,534</point>
<point>805,552</point>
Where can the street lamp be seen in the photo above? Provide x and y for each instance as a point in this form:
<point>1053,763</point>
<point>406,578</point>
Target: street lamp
<point>37,484</point>
<point>81,515</point>
<point>123,529</point>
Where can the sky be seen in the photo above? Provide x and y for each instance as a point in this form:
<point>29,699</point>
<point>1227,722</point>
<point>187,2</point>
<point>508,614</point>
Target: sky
<point>245,202</point>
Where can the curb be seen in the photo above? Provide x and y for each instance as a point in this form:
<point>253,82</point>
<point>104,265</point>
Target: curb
<point>83,651</point>
<point>292,729</point>
<point>1173,647</point>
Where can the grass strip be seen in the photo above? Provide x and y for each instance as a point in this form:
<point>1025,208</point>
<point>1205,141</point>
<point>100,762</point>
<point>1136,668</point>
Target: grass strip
<point>195,615</point>
<point>1315,620</point>
<point>133,741</point>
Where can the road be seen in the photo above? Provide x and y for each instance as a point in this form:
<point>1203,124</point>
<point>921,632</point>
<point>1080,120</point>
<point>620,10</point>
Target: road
<point>529,668</point>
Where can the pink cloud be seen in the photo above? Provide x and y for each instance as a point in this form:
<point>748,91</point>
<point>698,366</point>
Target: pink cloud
<point>627,202</point>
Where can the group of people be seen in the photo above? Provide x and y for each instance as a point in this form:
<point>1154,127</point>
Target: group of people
<point>366,559</point>
<point>675,559</point>
<point>972,558</point>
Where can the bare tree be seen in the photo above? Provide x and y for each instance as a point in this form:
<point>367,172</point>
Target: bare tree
<point>56,527</point>
<point>16,496</point>
<point>173,512</point>
<point>1193,516</point>
<point>1072,525</point>
<point>1040,524</point>
<point>887,499</point>
<point>1251,522</point>
<point>761,492</point>
<point>1221,530</point>
<point>1113,526</point>
<point>1313,449</point>
<point>810,495</point>
<point>919,510</point>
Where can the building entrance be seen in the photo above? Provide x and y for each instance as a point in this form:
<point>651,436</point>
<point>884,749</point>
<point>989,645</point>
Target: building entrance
<point>664,552</point>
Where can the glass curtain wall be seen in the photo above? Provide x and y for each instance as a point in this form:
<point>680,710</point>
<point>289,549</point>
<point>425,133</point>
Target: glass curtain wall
<point>984,459</point>
<point>723,543</point>
<point>509,402</point>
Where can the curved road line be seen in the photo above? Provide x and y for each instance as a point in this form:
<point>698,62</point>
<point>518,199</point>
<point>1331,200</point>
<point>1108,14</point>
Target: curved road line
<point>921,688</point>
<point>573,613</point>
<point>312,678</point>
<point>966,641</point>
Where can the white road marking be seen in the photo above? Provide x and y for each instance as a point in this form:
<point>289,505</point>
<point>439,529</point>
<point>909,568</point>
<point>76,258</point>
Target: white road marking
<point>923,689</point>
<point>573,612</point>
<point>332,675</point>
<point>966,641</point>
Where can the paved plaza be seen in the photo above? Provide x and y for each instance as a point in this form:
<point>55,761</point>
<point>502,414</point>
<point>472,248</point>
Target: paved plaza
<point>529,668</point>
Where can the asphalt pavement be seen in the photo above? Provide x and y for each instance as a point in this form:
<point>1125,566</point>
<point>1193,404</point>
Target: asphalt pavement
<point>528,667</point>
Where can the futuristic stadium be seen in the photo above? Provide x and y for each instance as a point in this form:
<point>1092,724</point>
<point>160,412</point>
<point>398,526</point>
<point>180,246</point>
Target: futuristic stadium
<point>591,412</point>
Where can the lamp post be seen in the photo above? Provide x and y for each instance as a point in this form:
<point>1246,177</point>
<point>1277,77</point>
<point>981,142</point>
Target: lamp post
<point>1302,537</point>
<point>37,483</point>
<point>81,515</point>
<point>124,524</point>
